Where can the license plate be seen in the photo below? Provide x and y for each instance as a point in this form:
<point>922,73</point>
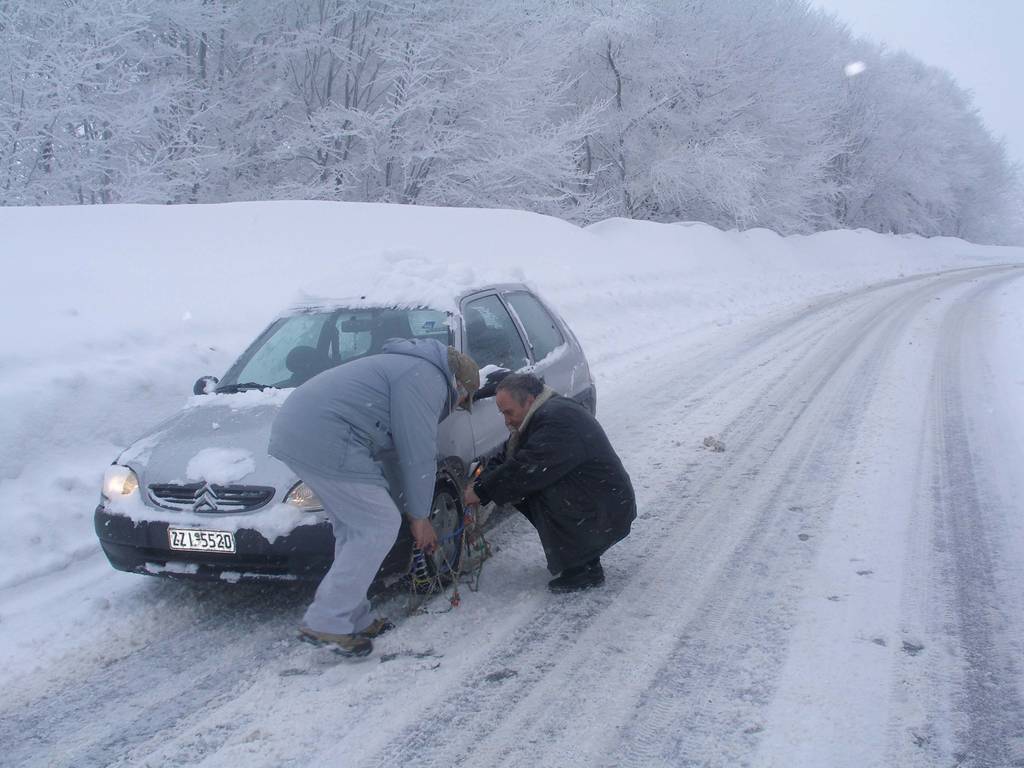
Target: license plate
<point>195,540</point>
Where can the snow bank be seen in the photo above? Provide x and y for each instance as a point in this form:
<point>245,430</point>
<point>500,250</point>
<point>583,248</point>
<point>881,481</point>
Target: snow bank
<point>110,313</point>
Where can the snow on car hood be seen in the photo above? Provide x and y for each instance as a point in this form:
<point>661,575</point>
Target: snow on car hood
<point>223,466</point>
<point>215,438</point>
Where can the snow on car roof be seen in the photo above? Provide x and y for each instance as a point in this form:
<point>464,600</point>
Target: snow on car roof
<point>443,299</point>
<point>382,278</point>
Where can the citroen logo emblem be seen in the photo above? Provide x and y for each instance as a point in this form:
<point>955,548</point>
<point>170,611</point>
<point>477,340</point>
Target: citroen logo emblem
<point>206,501</point>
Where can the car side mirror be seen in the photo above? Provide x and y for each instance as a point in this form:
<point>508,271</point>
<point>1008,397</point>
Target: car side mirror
<point>490,385</point>
<point>205,385</point>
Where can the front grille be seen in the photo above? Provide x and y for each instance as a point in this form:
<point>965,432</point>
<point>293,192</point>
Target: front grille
<point>175,496</point>
<point>210,498</point>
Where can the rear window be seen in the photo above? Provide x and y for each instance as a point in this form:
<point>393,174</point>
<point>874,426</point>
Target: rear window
<point>540,326</point>
<point>491,336</point>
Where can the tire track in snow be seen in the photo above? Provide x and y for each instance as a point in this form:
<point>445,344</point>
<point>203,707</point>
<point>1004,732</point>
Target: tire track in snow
<point>97,709</point>
<point>863,349</point>
<point>972,716</point>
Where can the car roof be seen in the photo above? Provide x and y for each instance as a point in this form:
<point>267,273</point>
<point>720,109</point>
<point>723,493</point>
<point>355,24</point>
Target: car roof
<point>369,301</point>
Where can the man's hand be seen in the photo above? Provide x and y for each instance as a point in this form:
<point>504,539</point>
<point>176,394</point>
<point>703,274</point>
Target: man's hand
<point>423,533</point>
<point>470,498</point>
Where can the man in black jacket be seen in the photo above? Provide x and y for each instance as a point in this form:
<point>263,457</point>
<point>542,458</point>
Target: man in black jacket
<point>560,471</point>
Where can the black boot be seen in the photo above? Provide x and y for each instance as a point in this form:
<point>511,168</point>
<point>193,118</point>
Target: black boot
<point>582,577</point>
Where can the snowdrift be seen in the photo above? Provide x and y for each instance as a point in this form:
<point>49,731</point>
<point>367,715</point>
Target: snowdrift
<point>109,313</point>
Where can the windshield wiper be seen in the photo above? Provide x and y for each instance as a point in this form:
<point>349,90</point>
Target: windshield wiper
<point>229,389</point>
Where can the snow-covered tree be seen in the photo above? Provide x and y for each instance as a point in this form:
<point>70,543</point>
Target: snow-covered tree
<point>436,103</point>
<point>738,113</point>
<point>706,117</point>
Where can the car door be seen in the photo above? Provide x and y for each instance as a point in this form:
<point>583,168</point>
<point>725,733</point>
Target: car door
<point>554,356</point>
<point>492,338</point>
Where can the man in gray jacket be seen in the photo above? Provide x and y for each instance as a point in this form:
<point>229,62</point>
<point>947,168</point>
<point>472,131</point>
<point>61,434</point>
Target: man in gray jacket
<point>331,431</point>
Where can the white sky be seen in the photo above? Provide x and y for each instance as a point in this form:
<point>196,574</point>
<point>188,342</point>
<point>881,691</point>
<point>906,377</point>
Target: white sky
<point>981,42</point>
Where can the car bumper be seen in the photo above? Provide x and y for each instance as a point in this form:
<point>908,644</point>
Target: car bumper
<point>305,554</point>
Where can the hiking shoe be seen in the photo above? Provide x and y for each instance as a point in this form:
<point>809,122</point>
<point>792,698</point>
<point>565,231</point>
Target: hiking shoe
<point>576,579</point>
<point>376,628</point>
<point>343,645</point>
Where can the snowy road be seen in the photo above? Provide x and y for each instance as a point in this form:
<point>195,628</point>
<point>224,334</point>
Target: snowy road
<point>839,586</point>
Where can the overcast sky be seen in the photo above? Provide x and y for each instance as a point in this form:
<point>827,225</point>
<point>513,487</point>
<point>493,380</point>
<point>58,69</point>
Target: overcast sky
<point>981,42</point>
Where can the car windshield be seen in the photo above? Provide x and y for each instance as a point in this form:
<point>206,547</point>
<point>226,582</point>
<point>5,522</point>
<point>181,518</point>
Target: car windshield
<point>297,347</point>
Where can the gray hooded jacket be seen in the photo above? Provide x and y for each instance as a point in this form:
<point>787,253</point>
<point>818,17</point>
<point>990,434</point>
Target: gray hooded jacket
<point>343,421</point>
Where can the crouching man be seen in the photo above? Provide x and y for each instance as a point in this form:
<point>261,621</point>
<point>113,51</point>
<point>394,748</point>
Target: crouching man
<point>330,432</point>
<point>560,471</point>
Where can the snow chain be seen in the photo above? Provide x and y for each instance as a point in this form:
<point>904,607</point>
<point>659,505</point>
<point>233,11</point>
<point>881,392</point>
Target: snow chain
<point>423,585</point>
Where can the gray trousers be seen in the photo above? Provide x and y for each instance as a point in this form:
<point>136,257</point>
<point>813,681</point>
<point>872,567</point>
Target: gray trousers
<point>366,523</point>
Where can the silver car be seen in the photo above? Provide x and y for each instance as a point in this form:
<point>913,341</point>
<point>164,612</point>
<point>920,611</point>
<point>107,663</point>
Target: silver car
<point>199,497</point>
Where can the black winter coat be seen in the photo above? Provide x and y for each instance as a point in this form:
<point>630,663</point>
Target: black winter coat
<point>566,478</point>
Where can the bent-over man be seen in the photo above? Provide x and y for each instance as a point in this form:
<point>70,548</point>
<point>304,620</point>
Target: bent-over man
<point>560,471</point>
<point>330,432</point>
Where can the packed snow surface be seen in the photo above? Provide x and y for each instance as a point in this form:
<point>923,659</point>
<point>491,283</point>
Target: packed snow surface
<point>811,595</point>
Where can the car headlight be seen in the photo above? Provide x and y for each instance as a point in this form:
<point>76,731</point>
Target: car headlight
<point>119,481</point>
<point>302,497</point>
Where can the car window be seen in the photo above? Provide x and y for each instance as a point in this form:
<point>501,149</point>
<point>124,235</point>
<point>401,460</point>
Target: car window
<point>541,328</point>
<point>297,347</point>
<point>491,336</point>
<point>358,332</point>
<point>428,323</point>
<point>267,364</point>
